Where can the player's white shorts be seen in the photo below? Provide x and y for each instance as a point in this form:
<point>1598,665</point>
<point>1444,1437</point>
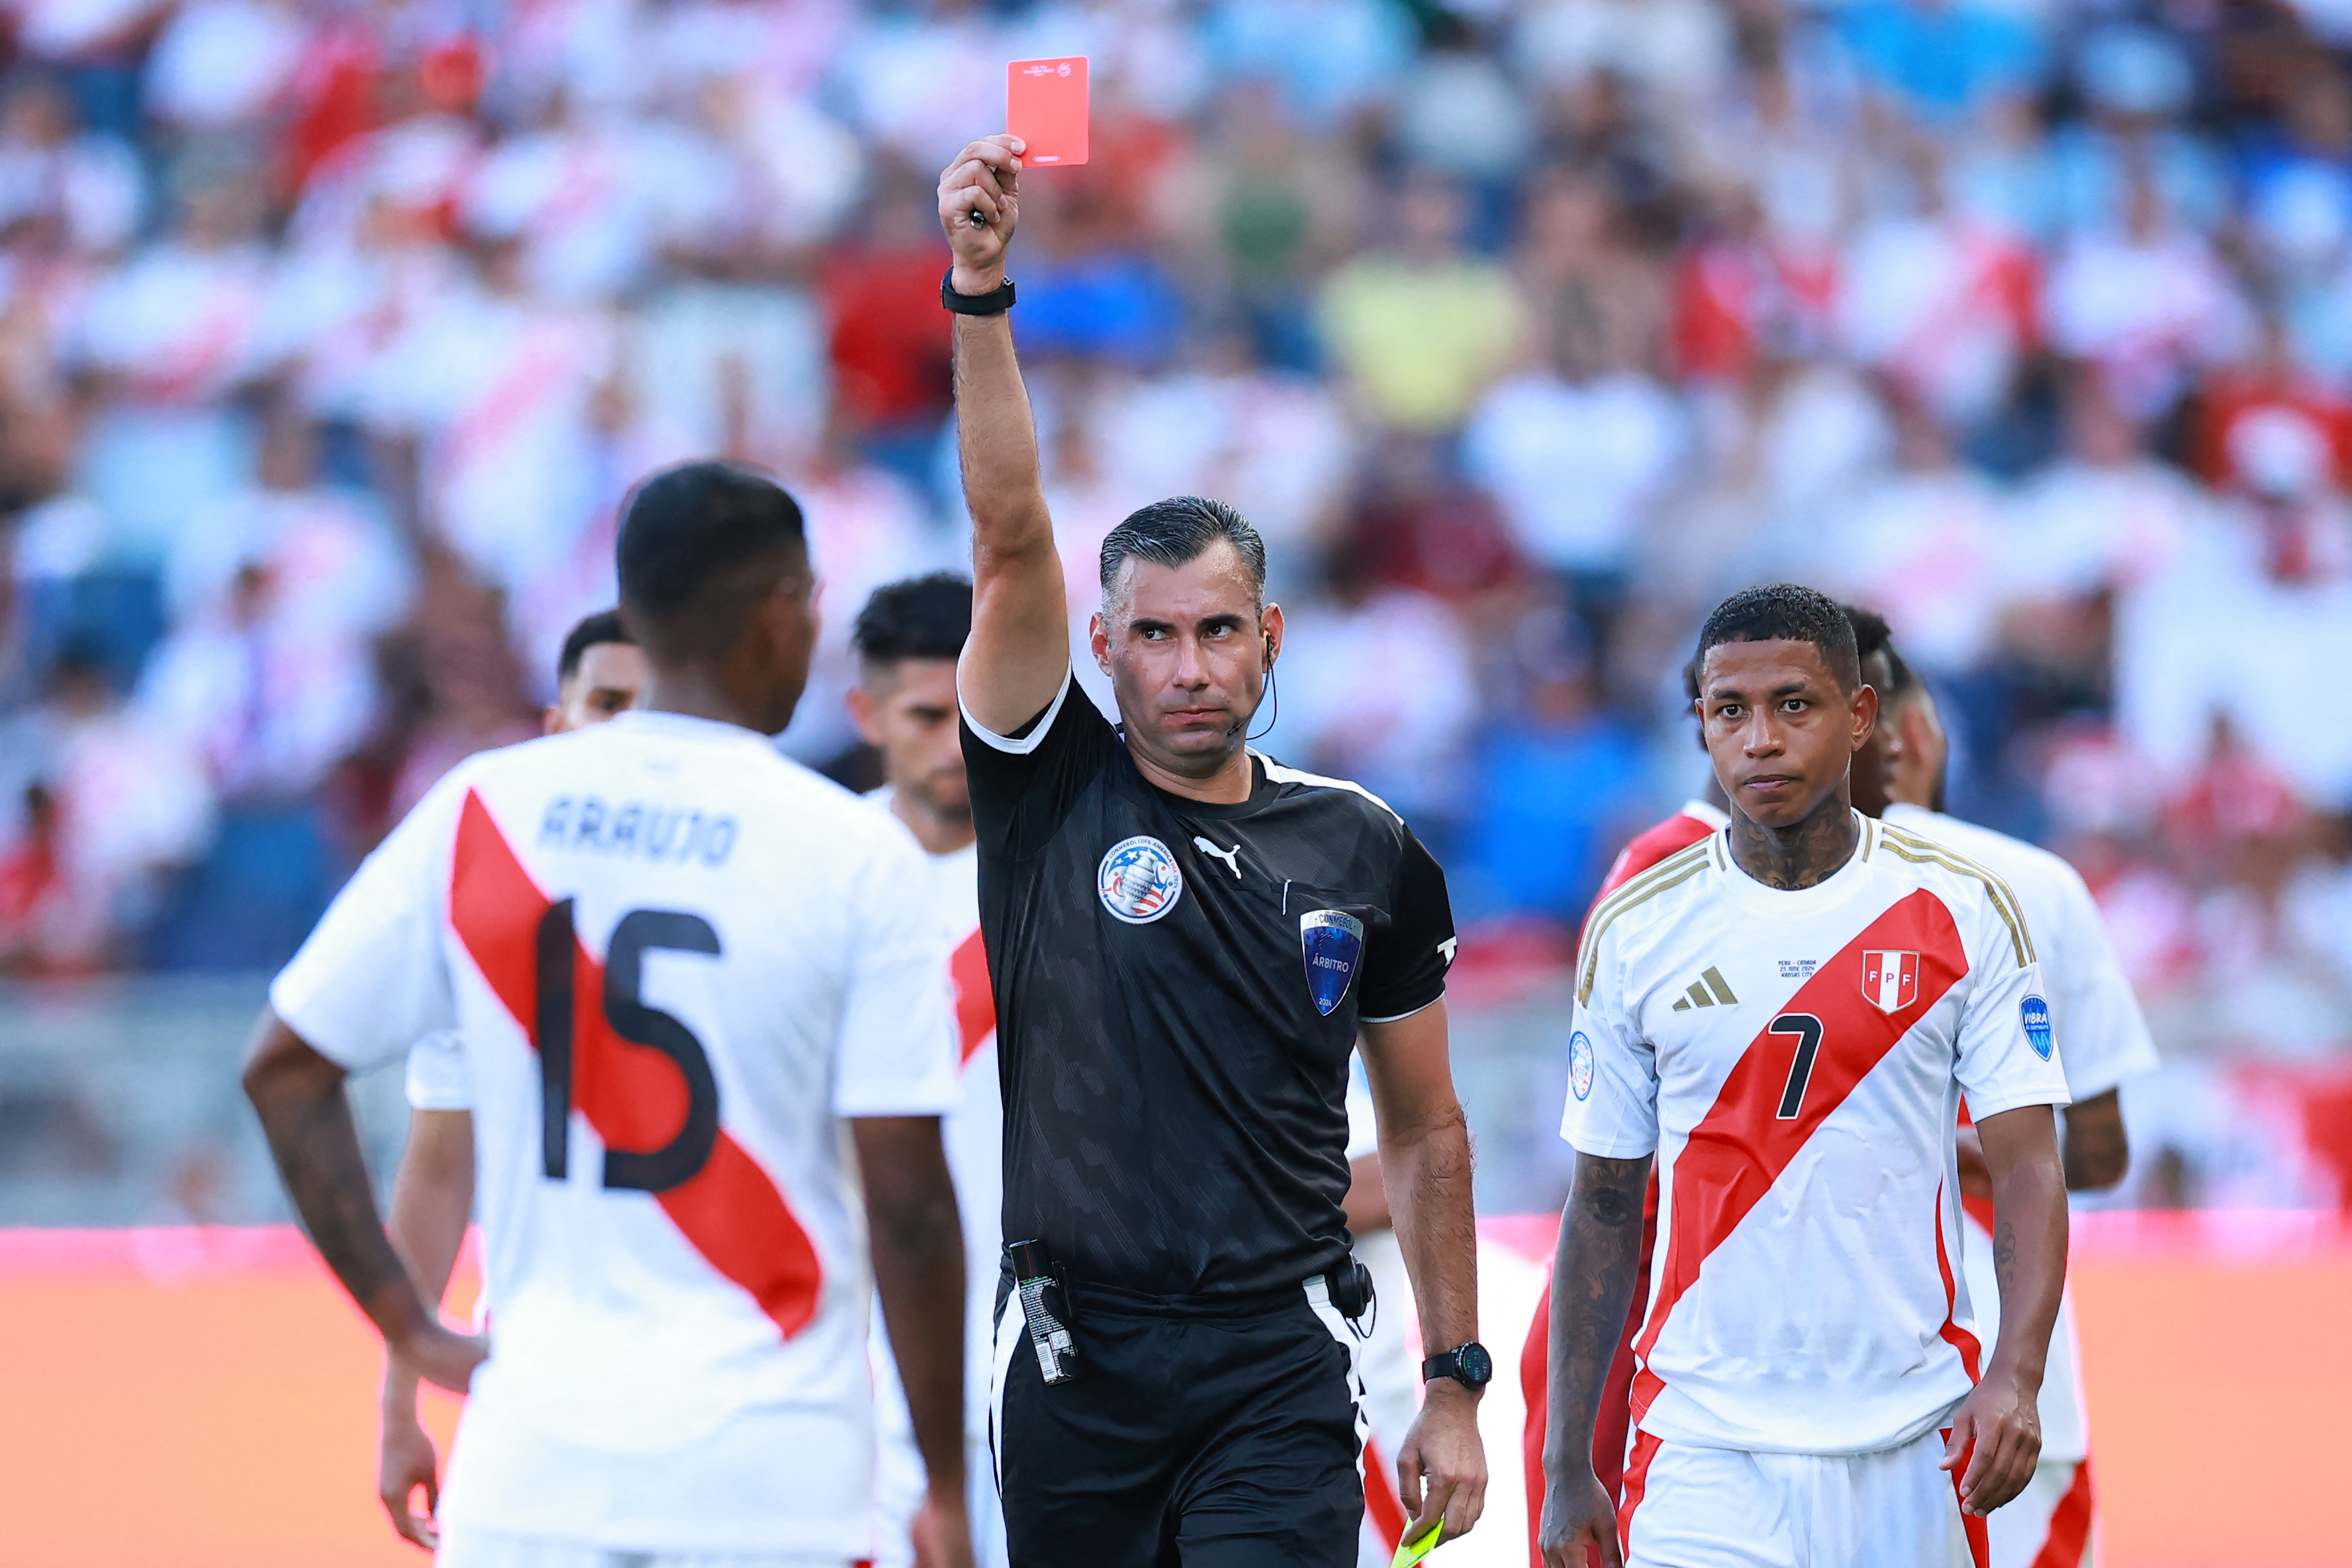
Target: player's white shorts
<point>1725,1508</point>
<point>2047,1525</point>
<point>481,1549</point>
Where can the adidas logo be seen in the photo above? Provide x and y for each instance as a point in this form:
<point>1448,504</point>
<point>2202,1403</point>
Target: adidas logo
<point>1706,992</point>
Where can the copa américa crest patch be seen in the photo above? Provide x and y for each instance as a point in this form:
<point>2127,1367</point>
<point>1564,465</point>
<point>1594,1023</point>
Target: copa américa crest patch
<point>1138,881</point>
<point>2035,1014</point>
<point>1580,1064</point>
<point>1332,941</point>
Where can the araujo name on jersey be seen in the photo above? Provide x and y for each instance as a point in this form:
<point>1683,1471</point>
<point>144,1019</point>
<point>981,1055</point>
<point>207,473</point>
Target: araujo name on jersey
<point>672,835</point>
<point>1333,943</point>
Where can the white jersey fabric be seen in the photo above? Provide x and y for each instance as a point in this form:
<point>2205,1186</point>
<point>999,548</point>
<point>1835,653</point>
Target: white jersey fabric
<point>676,961</point>
<point>974,1132</point>
<point>1796,1060</point>
<point>2108,1043</point>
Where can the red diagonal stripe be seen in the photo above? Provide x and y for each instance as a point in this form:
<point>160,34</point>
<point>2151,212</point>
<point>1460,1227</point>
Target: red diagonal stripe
<point>2070,1524</point>
<point>1960,1338</point>
<point>731,1210</point>
<point>1740,1146</point>
<point>975,1003</point>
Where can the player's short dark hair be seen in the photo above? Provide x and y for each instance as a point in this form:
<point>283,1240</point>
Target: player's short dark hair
<point>918,618</point>
<point>1790,612</point>
<point>698,542</point>
<point>604,626</point>
<point>1873,636</point>
<point>1178,529</point>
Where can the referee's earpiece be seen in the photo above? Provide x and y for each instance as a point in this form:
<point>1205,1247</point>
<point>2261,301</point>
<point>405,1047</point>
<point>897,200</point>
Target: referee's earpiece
<point>1269,652</point>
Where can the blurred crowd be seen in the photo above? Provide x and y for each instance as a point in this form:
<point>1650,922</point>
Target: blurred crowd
<point>332,332</point>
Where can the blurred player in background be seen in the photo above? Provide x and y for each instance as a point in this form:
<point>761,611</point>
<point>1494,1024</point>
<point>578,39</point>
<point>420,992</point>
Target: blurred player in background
<point>599,674</point>
<point>678,964</point>
<point>1697,820</point>
<point>907,638</point>
<point>1787,1014</point>
<point>1899,779</point>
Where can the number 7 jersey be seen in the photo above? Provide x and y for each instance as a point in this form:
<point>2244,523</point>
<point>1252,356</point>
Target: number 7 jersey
<point>676,962</point>
<point>1796,1060</point>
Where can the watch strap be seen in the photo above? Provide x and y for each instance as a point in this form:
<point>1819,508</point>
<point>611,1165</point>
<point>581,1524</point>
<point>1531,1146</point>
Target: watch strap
<point>995,302</point>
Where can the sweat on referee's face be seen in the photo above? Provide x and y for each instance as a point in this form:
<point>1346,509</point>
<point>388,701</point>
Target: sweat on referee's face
<point>1188,648</point>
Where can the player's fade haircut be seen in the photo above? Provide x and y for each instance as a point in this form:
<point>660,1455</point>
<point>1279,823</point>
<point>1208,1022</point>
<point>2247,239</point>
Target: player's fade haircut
<point>1873,636</point>
<point>1178,529</point>
<point>700,544</point>
<point>604,626</point>
<point>1786,611</point>
<point>918,618</point>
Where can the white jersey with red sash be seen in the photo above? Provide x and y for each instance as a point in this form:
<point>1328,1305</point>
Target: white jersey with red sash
<point>676,961</point>
<point>1796,1060</point>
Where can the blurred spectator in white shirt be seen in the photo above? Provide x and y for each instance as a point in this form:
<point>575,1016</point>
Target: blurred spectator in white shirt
<point>91,185</point>
<point>223,63</point>
<point>279,593</point>
<point>2148,305</point>
<point>1376,685</point>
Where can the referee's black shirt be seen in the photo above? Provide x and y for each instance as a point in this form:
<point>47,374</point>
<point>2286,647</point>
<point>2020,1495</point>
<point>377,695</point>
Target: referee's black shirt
<point>1175,1118</point>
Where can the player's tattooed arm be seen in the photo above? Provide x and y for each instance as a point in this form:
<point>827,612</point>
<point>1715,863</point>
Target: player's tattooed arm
<point>1592,1288</point>
<point>1996,1437</point>
<point>299,1095</point>
<point>917,1241</point>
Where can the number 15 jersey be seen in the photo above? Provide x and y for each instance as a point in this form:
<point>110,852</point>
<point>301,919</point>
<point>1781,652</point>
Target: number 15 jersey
<point>675,961</point>
<point>1796,1060</point>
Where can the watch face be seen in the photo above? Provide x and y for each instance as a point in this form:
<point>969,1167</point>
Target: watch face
<point>1476,1365</point>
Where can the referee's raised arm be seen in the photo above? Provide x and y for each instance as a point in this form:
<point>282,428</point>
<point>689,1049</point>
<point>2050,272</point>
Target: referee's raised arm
<point>1019,651</point>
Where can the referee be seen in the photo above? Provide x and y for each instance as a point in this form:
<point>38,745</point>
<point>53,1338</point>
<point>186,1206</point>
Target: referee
<point>1186,939</point>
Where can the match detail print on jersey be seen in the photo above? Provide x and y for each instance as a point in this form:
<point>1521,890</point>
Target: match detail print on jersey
<point>1741,1145</point>
<point>637,1096</point>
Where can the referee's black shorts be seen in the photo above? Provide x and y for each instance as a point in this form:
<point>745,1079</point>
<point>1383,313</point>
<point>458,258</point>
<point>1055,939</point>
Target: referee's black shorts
<point>1193,1438</point>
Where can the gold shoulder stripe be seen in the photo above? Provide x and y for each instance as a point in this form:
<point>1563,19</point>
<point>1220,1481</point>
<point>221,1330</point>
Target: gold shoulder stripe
<point>1924,852</point>
<point>1672,871</point>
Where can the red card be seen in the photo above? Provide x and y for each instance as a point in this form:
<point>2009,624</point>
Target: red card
<point>1045,106</point>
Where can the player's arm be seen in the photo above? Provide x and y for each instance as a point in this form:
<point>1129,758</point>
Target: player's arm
<point>1018,655</point>
<point>2001,1418</point>
<point>917,1239</point>
<point>299,1095</point>
<point>1592,1272</point>
<point>1425,1170</point>
<point>432,1197</point>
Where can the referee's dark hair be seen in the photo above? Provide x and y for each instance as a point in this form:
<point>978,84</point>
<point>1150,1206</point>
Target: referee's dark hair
<point>1873,635</point>
<point>1178,529</point>
<point>604,626</point>
<point>1791,611</point>
<point>918,618</point>
<point>700,544</point>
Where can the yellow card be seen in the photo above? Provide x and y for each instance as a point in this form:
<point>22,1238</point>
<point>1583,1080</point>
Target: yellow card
<point>1411,1551</point>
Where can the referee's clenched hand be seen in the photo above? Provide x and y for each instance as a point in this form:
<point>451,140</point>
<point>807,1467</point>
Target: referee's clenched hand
<point>980,205</point>
<point>1442,1450</point>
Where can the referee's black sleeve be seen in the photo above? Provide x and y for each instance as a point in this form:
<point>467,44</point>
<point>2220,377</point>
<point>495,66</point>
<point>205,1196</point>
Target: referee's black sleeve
<point>1023,784</point>
<point>1405,961</point>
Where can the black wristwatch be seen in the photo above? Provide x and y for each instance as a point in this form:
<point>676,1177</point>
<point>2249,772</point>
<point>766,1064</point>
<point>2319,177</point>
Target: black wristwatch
<point>995,302</point>
<point>1468,1364</point>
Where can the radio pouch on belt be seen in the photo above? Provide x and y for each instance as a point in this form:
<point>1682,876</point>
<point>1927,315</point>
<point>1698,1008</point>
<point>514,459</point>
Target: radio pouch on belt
<point>1045,1307</point>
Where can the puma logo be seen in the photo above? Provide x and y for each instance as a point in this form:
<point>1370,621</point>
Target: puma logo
<point>1232,857</point>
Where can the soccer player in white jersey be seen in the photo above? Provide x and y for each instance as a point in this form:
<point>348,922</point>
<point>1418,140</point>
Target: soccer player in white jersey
<point>701,992</point>
<point>598,675</point>
<point>907,638</point>
<point>1899,779</point>
<point>1787,1014</point>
